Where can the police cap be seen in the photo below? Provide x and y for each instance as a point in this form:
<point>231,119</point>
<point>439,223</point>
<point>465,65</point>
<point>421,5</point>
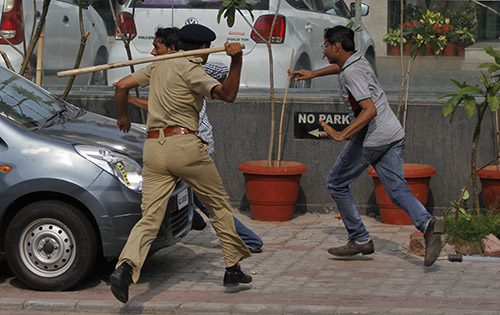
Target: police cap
<point>196,33</point>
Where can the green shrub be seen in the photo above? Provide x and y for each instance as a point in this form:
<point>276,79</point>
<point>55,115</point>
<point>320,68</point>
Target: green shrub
<point>471,227</point>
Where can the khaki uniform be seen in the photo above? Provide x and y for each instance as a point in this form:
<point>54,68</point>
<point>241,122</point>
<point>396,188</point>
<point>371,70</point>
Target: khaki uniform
<point>177,88</point>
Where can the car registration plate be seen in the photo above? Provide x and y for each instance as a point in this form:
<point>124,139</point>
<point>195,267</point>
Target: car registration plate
<point>182,199</point>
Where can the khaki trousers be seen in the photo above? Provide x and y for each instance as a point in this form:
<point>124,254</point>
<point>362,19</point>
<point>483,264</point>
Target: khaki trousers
<point>165,160</point>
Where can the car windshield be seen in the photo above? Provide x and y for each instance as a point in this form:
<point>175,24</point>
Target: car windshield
<point>204,4</point>
<point>26,104</point>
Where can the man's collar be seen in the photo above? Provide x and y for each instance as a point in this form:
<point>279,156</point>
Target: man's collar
<point>352,59</point>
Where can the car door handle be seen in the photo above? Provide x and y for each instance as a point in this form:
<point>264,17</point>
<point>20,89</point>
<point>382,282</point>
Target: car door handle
<point>65,19</point>
<point>308,27</point>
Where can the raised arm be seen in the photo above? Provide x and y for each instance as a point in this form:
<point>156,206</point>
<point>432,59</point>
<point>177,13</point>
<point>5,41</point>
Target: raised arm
<point>122,88</point>
<point>229,89</point>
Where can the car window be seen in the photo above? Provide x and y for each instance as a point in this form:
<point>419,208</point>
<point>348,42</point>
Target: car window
<point>337,7</point>
<point>308,5</point>
<point>24,103</point>
<point>196,4</point>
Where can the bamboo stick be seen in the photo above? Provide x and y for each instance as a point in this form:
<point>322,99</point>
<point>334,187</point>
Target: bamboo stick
<point>142,60</point>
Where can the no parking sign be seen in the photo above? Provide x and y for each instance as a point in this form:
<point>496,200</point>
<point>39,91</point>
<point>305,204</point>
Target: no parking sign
<point>306,124</point>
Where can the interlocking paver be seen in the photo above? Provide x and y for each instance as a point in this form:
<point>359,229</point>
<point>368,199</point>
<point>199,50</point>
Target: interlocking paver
<point>294,275</point>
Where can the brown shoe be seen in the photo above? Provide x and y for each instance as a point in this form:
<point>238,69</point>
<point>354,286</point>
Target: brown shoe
<point>352,248</point>
<point>432,236</point>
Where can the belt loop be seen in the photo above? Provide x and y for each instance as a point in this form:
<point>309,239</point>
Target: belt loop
<point>161,137</point>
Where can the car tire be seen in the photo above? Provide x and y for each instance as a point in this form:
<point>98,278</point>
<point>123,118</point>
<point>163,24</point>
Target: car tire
<point>302,64</point>
<point>100,77</point>
<point>50,245</point>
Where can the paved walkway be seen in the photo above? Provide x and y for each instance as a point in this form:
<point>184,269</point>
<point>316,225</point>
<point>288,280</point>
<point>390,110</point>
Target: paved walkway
<point>294,275</point>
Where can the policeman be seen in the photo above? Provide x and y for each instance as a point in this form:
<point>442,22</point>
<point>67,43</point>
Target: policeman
<point>173,150</point>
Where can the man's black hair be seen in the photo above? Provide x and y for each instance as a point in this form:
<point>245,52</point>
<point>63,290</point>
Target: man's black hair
<point>342,35</point>
<point>191,45</point>
<point>168,36</point>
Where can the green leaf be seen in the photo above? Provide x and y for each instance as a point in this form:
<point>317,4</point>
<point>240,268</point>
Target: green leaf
<point>413,50</point>
<point>492,67</point>
<point>219,15</point>
<point>492,52</point>
<point>495,88</point>
<point>458,84</point>
<point>446,95</point>
<point>484,80</point>
<point>230,16</point>
<point>469,105</point>
<point>435,46</point>
<point>470,90</point>
<point>423,50</point>
<point>466,195</point>
<point>350,25</point>
<point>226,3</point>
<point>447,109</point>
<point>493,103</point>
<point>451,105</point>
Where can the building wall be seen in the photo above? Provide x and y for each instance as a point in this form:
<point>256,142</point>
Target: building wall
<point>376,24</point>
<point>241,132</point>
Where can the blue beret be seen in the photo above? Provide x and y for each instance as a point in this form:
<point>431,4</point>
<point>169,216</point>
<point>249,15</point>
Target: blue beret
<point>196,33</point>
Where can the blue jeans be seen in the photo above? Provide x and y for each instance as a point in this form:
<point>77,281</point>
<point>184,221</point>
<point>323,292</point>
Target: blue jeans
<point>248,236</point>
<point>387,160</point>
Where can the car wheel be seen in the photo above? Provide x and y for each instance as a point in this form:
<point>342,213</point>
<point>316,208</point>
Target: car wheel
<point>100,77</point>
<point>302,64</point>
<point>50,245</point>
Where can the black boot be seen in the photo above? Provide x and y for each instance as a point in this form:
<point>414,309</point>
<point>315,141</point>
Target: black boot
<point>120,280</point>
<point>235,276</point>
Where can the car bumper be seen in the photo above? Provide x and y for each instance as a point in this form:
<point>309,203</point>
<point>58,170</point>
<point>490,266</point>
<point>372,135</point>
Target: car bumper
<point>119,208</point>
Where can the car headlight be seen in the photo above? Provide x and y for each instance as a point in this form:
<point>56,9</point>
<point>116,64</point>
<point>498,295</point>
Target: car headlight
<point>125,169</point>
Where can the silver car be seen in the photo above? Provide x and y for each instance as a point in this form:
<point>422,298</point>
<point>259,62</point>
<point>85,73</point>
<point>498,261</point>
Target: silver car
<point>299,28</point>
<point>70,187</point>
<point>61,37</point>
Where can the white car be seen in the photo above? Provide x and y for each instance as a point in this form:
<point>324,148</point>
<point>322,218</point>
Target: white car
<point>61,38</point>
<point>299,28</point>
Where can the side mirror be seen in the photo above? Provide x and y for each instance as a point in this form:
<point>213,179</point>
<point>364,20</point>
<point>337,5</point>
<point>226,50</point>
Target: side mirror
<point>365,9</point>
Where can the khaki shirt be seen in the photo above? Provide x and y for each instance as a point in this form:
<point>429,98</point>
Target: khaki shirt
<point>176,90</point>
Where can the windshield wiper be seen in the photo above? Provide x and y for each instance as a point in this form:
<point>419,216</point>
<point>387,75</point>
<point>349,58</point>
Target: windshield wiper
<point>54,118</point>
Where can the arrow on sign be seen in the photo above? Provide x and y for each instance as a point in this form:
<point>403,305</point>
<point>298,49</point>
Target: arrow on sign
<point>316,133</point>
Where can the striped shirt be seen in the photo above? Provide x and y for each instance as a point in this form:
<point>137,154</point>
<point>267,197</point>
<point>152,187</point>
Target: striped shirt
<point>219,72</point>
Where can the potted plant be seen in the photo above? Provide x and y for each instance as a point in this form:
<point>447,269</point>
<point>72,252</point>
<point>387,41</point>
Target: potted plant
<point>464,18</point>
<point>476,99</point>
<point>272,186</point>
<point>425,35</point>
<point>393,39</point>
<point>464,38</point>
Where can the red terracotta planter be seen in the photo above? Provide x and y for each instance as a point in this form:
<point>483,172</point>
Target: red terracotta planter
<point>395,51</point>
<point>418,177</point>
<point>450,49</point>
<point>272,191</point>
<point>490,184</point>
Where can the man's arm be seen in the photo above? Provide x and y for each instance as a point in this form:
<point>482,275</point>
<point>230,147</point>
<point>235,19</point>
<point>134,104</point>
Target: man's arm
<point>310,74</point>
<point>121,95</point>
<point>229,89</point>
<point>142,103</point>
<point>368,112</point>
